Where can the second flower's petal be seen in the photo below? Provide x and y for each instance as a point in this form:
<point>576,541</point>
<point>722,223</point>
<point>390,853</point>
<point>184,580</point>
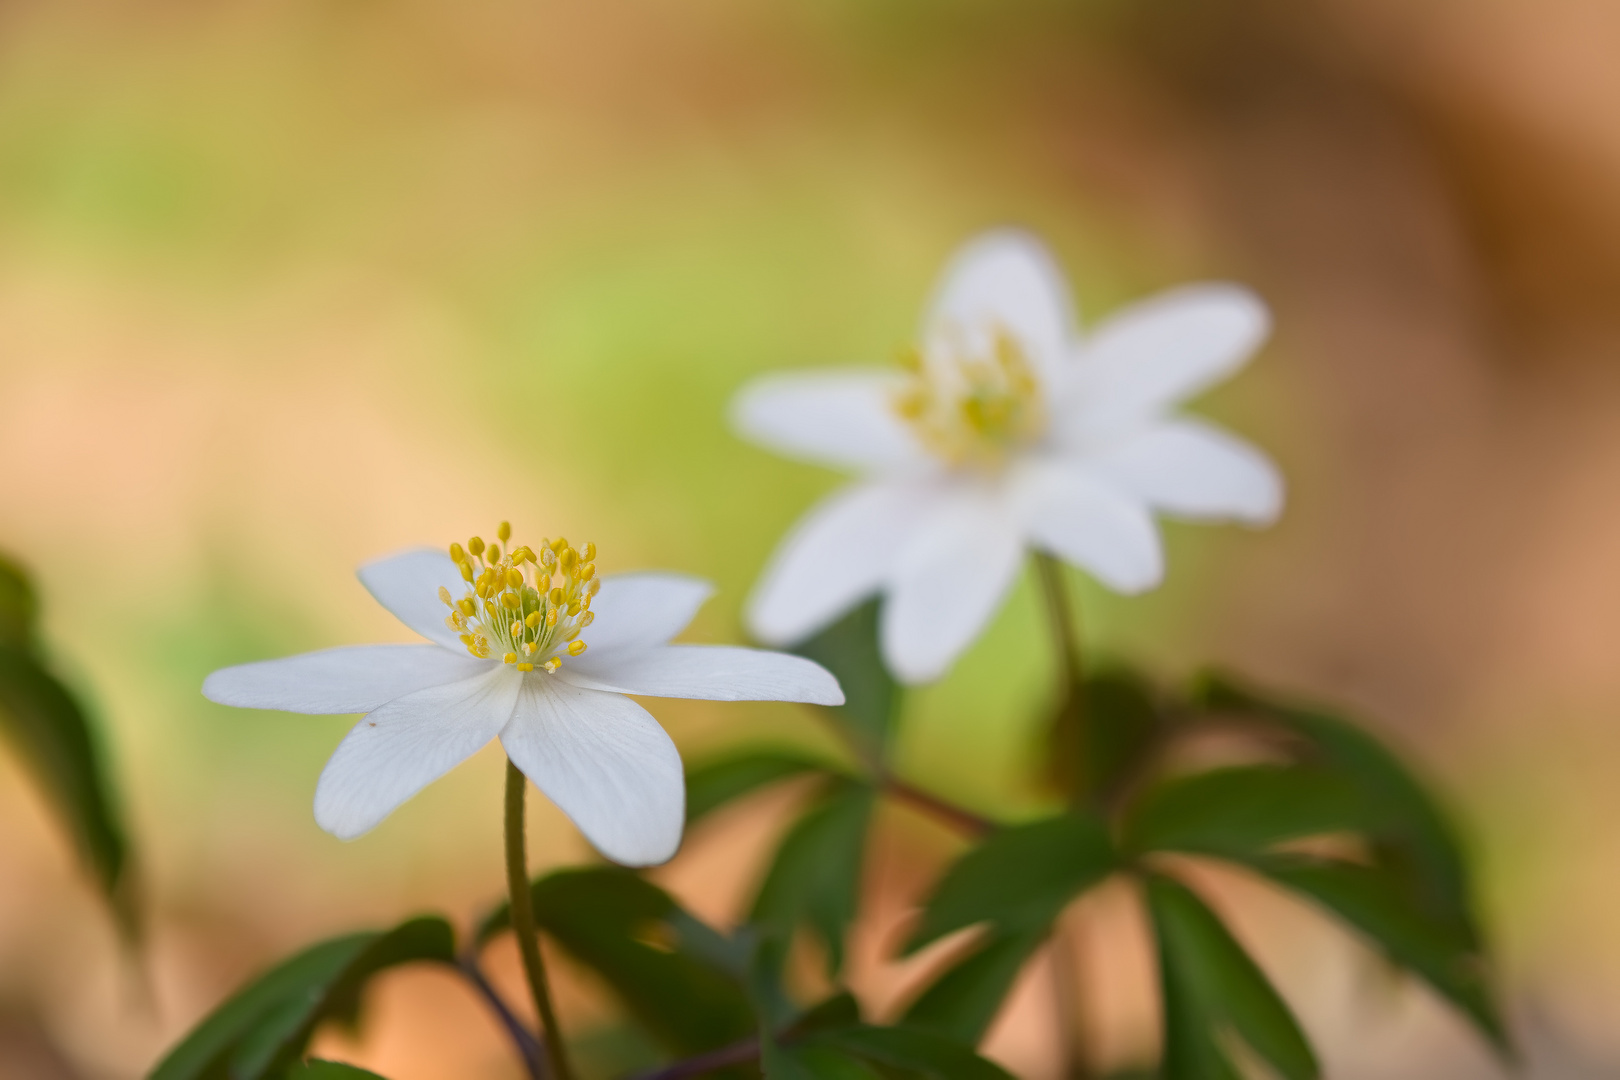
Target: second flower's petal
<point>1005,279</point>
<point>845,419</point>
<point>645,608</point>
<point>1162,351</point>
<point>838,553</point>
<point>1196,470</point>
<point>710,672</point>
<point>1069,512</point>
<point>947,583</point>
<point>606,763</point>
<point>407,744</point>
<point>408,584</point>
<point>348,679</point>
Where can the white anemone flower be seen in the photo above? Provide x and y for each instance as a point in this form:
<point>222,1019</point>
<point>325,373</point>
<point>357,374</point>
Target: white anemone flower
<point>509,661</point>
<point>1005,427</point>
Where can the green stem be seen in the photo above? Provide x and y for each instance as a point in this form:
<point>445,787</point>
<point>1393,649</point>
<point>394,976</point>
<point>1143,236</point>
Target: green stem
<point>1061,615</point>
<point>517,881</point>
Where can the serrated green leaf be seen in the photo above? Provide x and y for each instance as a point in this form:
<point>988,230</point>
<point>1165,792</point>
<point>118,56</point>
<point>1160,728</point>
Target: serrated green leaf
<point>962,1002</point>
<point>1375,904</point>
<point>1100,733</point>
<point>924,1053</point>
<point>18,606</point>
<point>1217,981</point>
<point>849,649</point>
<point>1020,877</point>
<point>319,1069</point>
<point>50,732</point>
<point>710,786</point>
<point>815,876</point>
<point>1242,810</point>
<point>634,936</point>
<point>264,1028</point>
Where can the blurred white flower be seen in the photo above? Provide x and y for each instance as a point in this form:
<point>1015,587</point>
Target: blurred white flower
<point>1004,428</point>
<point>509,661</point>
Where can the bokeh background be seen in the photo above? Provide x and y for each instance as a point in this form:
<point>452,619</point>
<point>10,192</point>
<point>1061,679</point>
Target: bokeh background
<point>287,285</point>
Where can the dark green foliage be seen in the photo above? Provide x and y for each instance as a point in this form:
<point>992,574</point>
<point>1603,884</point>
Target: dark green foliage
<point>1210,984</point>
<point>963,1001</point>
<point>317,1069</point>
<point>902,1051</point>
<point>815,877</point>
<point>849,649</point>
<point>708,787</point>
<point>51,733</point>
<point>641,943</point>
<point>264,1028</point>
<point>1234,812</point>
<point>1100,734</point>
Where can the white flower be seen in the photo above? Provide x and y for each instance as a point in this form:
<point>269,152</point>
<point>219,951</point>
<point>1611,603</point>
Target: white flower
<point>1004,428</point>
<point>509,661</point>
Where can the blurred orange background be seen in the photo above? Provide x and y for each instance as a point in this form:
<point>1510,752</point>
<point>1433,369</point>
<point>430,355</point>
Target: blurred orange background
<point>285,286</point>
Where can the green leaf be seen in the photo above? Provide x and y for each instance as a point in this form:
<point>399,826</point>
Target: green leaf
<point>1242,810</point>
<point>817,1063</point>
<point>708,787</point>
<point>921,1053</point>
<point>962,1002</point>
<point>1214,981</point>
<point>849,649</point>
<point>18,606</point>
<point>318,1069</point>
<point>264,1028</point>
<point>52,735</point>
<point>815,877</point>
<point>635,936</point>
<point>1373,902</point>
<point>1100,734</point>
<point>1020,877</point>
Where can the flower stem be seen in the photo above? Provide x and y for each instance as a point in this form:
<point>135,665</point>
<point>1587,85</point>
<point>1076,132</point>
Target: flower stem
<point>965,820</point>
<point>1061,614</point>
<point>528,1046</point>
<point>517,881</point>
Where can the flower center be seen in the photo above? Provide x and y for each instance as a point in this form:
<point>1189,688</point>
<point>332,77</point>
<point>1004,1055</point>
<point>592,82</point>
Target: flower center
<point>971,406</point>
<point>527,608</point>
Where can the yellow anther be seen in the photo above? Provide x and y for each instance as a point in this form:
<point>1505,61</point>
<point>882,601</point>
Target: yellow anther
<point>575,648</point>
<point>523,554</point>
<point>593,587</point>
<point>468,608</point>
<point>516,629</point>
<point>476,546</point>
<point>525,666</point>
<point>489,608</point>
<point>574,608</point>
<point>533,620</point>
<point>548,558</point>
<point>444,594</point>
<point>504,531</point>
<point>493,554</point>
<point>512,600</point>
<point>509,658</point>
<point>530,648</point>
<point>468,639</point>
<point>588,552</point>
<point>587,571</point>
<point>553,664</point>
<point>557,545</point>
<point>514,578</point>
<point>590,617</point>
<point>556,598</point>
<point>551,616</point>
<point>456,553</point>
<point>450,621</point>
<point>481,587</point>
<point>466,571</point>
<point>568,561</point>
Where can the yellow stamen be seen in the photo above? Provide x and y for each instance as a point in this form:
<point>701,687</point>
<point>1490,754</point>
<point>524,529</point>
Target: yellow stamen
<point>553,664</point>
<point>444,595</point>
<point>456,554</point>
<point>514,578</point>
<point>575,648</point>
<point>588,552</point>
<point>509,658</point>
<point>466,571</point>
<point>475,546</point>
<point>504,531</point>
<point>533,620</point>
<point>525,666</point>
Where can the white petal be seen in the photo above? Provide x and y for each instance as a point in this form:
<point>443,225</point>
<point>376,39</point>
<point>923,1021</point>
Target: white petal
<point>844,419</point>
<point>606,763</point>
<point>1069,512</point>
<point>645,608</point>
<point>407,584</point>
<point>1196,470</point>
<point>348,679</point>
<point>407,744</point>
<point>1162,351</point>
<point>947,583</point>
<point>837,554</point>
<point>710,672</point>
<point>1005,278</point>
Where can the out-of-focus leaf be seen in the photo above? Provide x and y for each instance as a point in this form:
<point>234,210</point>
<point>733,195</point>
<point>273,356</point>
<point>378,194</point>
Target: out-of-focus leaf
<point>51,734</point>
<point>629,931</point>
<point>264,1028</point>
<point>849,649</point>
<point>1413,835</point>
<point>711,786</point>
<point>1369,900</point>
<point>319,1069</point>
<point>963,1001</point>
<point>18,606</point>
<point>1020,877</point>
<point>1191,1048</point>
<point>815,877</point>
<point>1216,981</point>
<point>1242,810</point>
<point>915,1052</point>
<point>817,1063</point>
<point>839,1010</point>
<point>1100,733</point>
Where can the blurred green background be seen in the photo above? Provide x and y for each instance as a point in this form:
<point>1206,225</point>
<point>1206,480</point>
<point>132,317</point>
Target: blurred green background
<point>285,286</point>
